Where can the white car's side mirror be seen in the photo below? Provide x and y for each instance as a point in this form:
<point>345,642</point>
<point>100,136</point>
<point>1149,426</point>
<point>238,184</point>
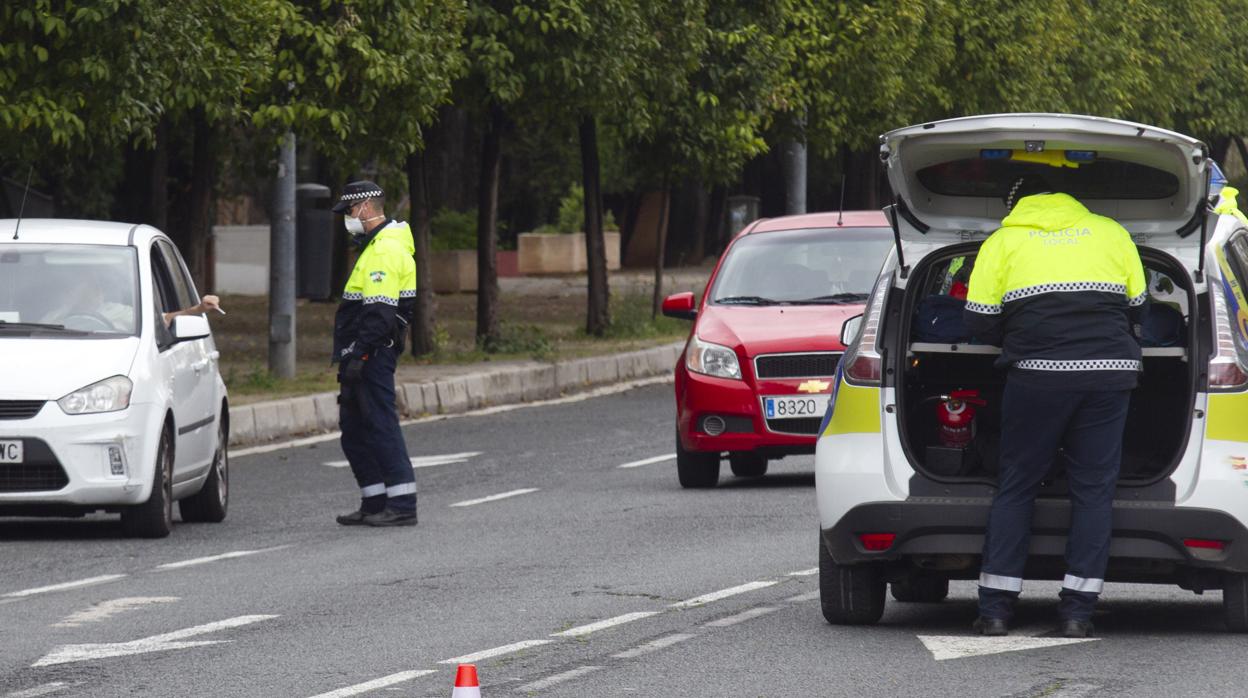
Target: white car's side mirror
<point>849,330</point>
<point>188,327</point>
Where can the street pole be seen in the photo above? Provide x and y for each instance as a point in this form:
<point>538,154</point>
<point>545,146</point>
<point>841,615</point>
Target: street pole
<point>794,156</point>
<point>282,264</point>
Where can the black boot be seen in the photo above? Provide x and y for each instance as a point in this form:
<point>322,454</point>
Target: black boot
<point>390,517</point>
<point>1076,628</point>
<point>991,627</point>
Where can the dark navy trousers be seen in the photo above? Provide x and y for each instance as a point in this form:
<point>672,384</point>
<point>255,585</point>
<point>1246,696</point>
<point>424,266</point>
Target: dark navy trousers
<point>1035,422</point>
<point>372,439</point>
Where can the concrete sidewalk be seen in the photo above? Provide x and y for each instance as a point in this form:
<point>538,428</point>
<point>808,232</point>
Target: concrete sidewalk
<point>447,390</point>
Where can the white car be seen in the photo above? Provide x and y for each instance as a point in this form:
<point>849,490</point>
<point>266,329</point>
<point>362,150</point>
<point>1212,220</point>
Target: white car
<point>898,506</point>
<point>102,405</point>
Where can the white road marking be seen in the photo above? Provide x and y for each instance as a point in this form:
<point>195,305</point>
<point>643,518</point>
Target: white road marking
<point>579,397</point>
<point>556,679</point>
<point>423,461</point>
<point>808,596</point>
<point>604,624</point>
<point>721,594</point>
<point>945,647</point>
<point>156,643</point>
<point>375,684</point>
<point>495,652</point>
<point>40,690</point>
<point>108,609</point>
<point>648,461</point>
<point>652,646</point>
<point>743,616</point>
<point>1075,690</point>
<point>66,585</point>
<point>216,558</point>
<point>804,573</point>
<point>494,497</point>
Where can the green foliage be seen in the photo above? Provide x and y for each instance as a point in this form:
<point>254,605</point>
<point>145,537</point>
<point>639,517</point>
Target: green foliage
<point>631,319</point>
<point>453,230</point>
<point>571,217</point>
<point>520,339</point>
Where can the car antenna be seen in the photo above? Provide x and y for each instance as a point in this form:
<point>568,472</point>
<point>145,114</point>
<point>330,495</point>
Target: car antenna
<point>22,210</point>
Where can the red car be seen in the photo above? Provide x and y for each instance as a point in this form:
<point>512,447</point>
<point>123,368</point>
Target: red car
<point>756,374</point>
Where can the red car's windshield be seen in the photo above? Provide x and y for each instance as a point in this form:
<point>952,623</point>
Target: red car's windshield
<point>815,266</point>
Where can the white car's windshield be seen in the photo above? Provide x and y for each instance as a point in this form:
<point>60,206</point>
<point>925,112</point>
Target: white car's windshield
<point>815,266</point>
<point>68,290</point>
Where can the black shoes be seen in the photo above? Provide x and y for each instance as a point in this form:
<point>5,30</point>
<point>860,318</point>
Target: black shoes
<point>991,627</point>
<point>1076,628</point>
<point>355,518</point>
<point>390,517</point>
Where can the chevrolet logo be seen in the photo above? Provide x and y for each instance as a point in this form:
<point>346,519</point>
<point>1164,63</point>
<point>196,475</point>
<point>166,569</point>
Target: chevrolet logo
<point>813,386</point>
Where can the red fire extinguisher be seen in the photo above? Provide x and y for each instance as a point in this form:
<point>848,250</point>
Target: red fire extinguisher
<point>956,414</point>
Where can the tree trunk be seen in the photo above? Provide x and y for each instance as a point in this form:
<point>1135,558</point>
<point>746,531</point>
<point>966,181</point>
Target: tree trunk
<point>701,216</point>
<point>156,210</point>
<point>487,234</point>
<point>598,314</point>
<point>1243,151</point>
<point>715,223</point>
<point>659,253</point>
<point>203,180</point>
<point>422,339</point>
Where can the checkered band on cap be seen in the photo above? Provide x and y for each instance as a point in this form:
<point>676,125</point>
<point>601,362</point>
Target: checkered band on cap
<point>362,195</point>
<point>1080,365</point>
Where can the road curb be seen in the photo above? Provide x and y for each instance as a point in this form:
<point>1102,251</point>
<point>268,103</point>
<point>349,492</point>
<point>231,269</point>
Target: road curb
<point>276,420</point>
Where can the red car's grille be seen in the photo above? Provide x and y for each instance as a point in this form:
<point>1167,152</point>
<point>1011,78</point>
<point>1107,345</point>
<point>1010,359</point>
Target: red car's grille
<point>20,409</point>
<point>796,365</point>
<point>808,426</point>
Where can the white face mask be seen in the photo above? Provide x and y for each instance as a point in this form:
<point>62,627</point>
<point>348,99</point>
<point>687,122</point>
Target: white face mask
<point>355,226</point>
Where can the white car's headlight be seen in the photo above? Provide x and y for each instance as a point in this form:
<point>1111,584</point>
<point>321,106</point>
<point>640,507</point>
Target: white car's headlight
<point>712,359</point>
<point>109,395</point>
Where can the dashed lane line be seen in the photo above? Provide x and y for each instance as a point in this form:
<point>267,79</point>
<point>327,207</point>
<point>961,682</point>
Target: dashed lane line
<point>722,594</point>
<point>216,558</point>
<point>653,646</point>
<point>742,616</point>
<point>495,497</point>
<point>557,679</point>
<point>579,397</point>
<point>102,579</point>
<point>495,652</point>
<point>804,573</point>
<point>108,609</point>
<point>423,461</point>
<point>809,596</point>
<point>604,624</point>
<point>375,684</point>
<point>648,461</point>
<point>43,689</point>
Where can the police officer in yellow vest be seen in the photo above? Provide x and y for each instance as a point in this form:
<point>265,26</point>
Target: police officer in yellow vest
<point>369,329</point>
<point>1056,286</point>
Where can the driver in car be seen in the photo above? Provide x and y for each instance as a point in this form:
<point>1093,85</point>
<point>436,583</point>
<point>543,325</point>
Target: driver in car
<point>85,307</point>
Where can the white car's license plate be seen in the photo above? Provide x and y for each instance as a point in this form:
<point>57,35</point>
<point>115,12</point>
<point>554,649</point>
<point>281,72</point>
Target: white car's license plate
<point>10,451</point>
<point>795,406</point>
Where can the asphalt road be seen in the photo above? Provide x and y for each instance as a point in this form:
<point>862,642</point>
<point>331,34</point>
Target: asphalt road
<point>589,579</point>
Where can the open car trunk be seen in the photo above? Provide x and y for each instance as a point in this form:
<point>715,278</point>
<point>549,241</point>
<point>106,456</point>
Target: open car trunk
<point>938,362</point>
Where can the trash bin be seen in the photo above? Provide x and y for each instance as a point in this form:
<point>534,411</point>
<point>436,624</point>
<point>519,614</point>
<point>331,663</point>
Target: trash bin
<point>742,209</point>
<point>314,242</point>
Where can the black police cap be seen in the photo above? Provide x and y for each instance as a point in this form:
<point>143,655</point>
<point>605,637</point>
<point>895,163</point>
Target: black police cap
<point>355,191</point>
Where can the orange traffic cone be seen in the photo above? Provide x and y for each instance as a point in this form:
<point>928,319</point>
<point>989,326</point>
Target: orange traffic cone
<point>466,685</point>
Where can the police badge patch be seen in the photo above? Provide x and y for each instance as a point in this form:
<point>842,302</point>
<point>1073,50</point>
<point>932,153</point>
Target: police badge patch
<point>377,276</point>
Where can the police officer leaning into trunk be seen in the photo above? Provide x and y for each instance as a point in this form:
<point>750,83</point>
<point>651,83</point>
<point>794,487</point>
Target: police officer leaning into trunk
<point>369,329</point>
<point>1056,286</point>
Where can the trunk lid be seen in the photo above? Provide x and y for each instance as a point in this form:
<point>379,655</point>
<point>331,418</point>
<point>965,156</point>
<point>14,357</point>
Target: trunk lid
<point>950,176</point>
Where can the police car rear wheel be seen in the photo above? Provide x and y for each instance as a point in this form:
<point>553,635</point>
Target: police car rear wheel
<point>154,518</point>
<point>747,465</point>
<point>1235,602</point>
<point>849,594</point>
<point>920,589</point>
<point>696,470</point>
<point>210,504</point>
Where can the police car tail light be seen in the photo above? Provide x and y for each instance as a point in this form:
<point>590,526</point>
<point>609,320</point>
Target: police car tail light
<point>863,361</point>
<point>1204,544</point>
<point>877,542</point>
<point>1225,369</point>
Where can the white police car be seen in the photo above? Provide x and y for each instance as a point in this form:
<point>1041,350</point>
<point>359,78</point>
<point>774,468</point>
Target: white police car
<point>897,506</point>
<point>103,406</point>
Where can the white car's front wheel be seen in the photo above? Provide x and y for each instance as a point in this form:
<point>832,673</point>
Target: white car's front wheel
<point>154,518</point>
